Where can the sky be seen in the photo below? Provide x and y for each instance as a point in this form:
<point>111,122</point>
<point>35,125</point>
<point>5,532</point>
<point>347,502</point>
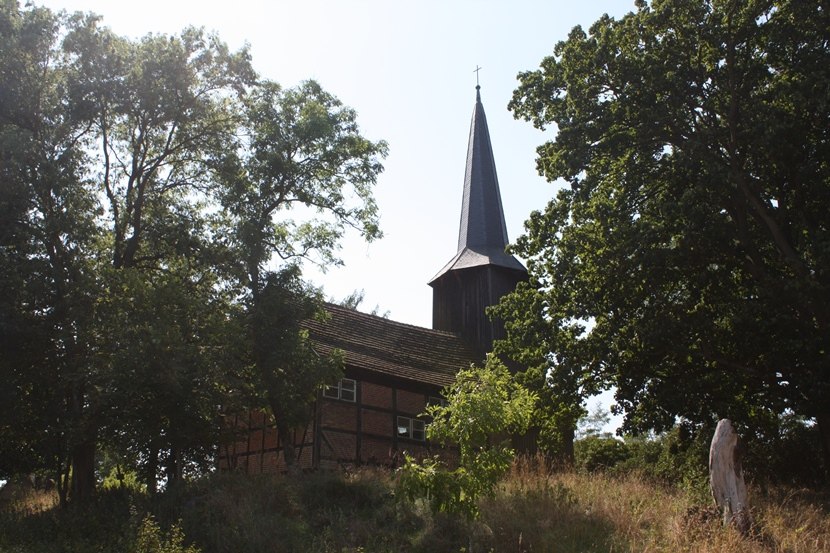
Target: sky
<point>408,69</point>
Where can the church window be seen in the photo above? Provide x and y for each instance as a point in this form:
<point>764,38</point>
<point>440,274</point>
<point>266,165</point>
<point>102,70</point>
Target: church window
<point>411,428</point>
<point>345,389</point>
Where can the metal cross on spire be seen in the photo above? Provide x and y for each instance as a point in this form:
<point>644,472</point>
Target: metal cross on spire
<point>477,69</point>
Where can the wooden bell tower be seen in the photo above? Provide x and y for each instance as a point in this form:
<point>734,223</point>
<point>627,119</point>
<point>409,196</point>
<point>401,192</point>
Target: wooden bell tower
<point>481,272</point>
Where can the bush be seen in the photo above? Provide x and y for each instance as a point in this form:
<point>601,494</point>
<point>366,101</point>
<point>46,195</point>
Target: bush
<point>151,539</point>
<point>484,406</point>
<point>787,452</point>
<point>594,453</point>
<point>679,457</point>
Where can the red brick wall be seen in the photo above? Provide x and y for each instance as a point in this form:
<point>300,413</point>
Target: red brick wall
<point>375,395</point>
<point>377,422</point>
<point>271,461</point>
<point>256,440</point>
<point>257,419</point>
<point>338,446</point>
<point>257,450</point>
<point>270,438</point>
<point>410,403</point>
<point>339,414</point>
<point>375,451</point>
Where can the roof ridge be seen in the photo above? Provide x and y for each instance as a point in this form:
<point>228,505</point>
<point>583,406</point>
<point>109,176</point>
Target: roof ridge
<point>348,310</point>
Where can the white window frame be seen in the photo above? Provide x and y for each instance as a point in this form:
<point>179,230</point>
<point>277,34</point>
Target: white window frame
<point>410,428</point>
<point>344,390</point>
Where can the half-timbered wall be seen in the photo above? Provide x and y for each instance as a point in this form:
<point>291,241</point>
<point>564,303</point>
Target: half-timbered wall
<point>341,432</point>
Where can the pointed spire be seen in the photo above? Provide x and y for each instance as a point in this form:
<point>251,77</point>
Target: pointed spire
<point>482,216</point>
<point>482,237</point>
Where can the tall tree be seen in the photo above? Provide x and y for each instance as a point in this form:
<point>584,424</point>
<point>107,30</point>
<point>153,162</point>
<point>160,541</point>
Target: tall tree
<point>126,289</point>
<point>89,117</point>
<point>301,154</point>
<point>161,111</point>
<point>537,346</point>
<point>693,234</point>
<point>47,236</point>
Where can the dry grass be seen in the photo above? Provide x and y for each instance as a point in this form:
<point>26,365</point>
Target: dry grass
<point>568,512</point>
<point>18,496</point>
<point>534,510</point>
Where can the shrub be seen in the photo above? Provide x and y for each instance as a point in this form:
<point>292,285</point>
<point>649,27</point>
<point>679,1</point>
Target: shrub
<point>151,539</point>
<point>484,406</point>
<point>117,480</point>
<point>786,452</point>
<point>594,453</point>
<point>679,457</point>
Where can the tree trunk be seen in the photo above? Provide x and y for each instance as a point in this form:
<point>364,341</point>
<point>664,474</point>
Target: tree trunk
<point>823,422</point>
<point>174,467</point>
<point>62,483</point>
<point>288,452</point>
<point>152,470</point>
<point>83,471</point>
<point>568,435</point>
<point>82,452</point>
<point>726,477</point>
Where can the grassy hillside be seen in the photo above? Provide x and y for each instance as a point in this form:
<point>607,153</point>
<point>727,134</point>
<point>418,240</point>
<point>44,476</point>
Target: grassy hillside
<point>532,511</point>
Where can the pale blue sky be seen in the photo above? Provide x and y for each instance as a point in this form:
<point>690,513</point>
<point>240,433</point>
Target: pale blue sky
<point>408,70</point>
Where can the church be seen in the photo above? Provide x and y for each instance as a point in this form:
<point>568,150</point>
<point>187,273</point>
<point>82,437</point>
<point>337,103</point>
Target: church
<point>394,370</point>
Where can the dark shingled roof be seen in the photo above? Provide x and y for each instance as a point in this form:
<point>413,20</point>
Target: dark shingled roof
<point>391,348</point>
<point>482,237</point>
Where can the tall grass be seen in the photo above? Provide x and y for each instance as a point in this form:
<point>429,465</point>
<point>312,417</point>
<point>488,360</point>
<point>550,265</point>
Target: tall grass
<point>534,509</point>
<point>574,512</point>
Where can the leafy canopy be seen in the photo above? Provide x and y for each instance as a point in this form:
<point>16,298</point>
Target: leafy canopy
<point>687,259</point>
<point>156,199</point>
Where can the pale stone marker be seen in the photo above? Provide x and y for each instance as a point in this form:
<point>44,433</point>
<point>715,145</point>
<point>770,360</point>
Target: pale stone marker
<point>726,476</point>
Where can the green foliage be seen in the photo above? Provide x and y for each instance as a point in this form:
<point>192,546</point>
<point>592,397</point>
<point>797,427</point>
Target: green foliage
<point>299,148</point>
<point>594,453</point>
<point>484,407</point>
<point>535,345</point>
<point>285,365</point>
<point>151,539</point>
<point>786,452</point>
<point>678,458</point>
<point>48,245</point>
<point>691,233</point>
<point>120,480</point>
<point>147,188</point>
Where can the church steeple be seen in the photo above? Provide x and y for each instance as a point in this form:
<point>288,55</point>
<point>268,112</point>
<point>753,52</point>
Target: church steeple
<point>482,236</point>
<point>482,216</point>
<point>481,271</point>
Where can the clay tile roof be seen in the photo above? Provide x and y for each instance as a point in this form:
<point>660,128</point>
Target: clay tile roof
<point>391,348</point>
